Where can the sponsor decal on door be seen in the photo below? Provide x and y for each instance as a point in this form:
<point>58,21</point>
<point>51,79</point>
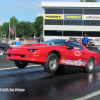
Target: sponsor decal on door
<point>77,53</point>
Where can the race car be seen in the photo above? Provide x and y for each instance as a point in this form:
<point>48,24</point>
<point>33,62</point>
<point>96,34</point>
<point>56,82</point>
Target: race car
<point>54,54</point>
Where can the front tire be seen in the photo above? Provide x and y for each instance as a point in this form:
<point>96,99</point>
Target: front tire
<point>20,64</point>
<point>89,65</point>
<point>52,63</point>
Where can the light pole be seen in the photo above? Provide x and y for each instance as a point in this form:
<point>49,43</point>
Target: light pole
<point>1,35</point>
<point>14,29</point>
<point>15,33</point>
<point>9,30</point>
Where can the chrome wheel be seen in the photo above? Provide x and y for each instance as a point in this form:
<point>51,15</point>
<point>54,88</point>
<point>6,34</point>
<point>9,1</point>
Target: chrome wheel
<point>90,65</point>
<point>52,63</point>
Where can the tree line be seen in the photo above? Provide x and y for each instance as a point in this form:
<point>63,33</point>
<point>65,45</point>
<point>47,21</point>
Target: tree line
<point>88,0</point>
<point>23,29</point>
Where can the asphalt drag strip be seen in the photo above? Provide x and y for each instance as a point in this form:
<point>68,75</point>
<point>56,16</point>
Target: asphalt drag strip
<point>70,84</point>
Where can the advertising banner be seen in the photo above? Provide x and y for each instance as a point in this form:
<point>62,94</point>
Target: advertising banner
<point>73,17</point>
<point>49,16</point>
<point>91,17</point>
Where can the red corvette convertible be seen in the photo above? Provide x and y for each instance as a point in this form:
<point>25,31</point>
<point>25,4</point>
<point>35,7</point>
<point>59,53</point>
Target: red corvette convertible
<point>54,54</point>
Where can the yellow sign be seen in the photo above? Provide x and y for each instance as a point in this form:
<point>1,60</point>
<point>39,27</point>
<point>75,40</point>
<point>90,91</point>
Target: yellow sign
<point>73,16</point>
<point>53,16</point>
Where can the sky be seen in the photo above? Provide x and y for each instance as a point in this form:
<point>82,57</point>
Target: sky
<point>23,10</point>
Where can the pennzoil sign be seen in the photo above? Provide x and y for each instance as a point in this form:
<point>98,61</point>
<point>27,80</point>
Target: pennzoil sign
<point>49,16</point>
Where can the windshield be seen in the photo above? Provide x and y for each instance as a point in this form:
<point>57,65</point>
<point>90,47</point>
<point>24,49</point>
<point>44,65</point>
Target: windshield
<point>56,42</point>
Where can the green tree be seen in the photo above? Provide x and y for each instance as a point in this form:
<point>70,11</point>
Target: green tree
<point>81,1</point>
<point>20,29</point>
<point>88,0</point>
<point>5,28</point>
<point>0,30</point>
<point>25,29</point>
<point>32,29</point>
<point>0,27</point>
<point>13,22</point>
<point>38,25</point>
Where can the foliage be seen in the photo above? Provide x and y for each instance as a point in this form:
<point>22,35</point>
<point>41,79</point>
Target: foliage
<point>23,29</point>
<point>91,1</point>
<point>0,27</point>
<point>88,0</point>
<point>0,31</point>
<point>38,25</point>
<point>13,22</point>
<point>5,28</point>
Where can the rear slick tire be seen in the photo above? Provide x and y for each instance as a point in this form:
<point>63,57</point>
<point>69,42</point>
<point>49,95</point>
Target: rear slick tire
<point>20,64</point>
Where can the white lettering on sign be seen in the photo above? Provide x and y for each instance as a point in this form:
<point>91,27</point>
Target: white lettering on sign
<point>77,53</point>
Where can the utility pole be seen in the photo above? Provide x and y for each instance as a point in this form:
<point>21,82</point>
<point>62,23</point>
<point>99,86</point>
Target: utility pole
<point>13,25</point>
<point>14,28</point>
<point>15,33</point>
<point>1,35</point>
<point>9,30</point>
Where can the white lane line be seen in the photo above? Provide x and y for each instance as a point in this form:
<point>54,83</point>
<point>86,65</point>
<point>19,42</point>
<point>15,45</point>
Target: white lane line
<point>17,67</point>
<point>89,95</point>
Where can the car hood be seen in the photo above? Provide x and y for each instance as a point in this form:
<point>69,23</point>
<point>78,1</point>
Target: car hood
<point>29,46</point>
<point>37,46</point>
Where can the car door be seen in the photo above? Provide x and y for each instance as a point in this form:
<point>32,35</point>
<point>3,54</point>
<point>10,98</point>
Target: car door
<point>76,55</point>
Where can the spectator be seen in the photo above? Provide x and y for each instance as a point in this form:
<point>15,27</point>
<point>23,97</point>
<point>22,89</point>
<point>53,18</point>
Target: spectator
<point>85,41</point>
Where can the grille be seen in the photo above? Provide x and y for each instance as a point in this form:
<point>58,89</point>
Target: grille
<point>22,56</point>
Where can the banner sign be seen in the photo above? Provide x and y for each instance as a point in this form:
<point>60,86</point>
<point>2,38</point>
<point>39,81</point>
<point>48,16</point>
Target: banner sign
<point>91,17</point>
<point>73,17</point>
<point>49,16</point>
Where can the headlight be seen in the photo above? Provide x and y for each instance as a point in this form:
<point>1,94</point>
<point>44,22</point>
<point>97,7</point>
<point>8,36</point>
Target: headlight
<point>32,50</point>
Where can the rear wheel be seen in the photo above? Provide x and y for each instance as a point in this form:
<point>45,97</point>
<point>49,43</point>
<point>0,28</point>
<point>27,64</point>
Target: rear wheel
<point>1,51</point>
<point>21,64</point>
<point>52,63</point>
<point>89,66</point>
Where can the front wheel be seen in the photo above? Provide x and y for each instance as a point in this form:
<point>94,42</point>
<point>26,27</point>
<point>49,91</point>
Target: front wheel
<point>21,64</point>
<point>52,63</point>
<point>89,66</point>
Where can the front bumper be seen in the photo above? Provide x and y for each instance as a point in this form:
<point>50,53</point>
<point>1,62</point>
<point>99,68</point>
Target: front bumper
<point>25,55</point>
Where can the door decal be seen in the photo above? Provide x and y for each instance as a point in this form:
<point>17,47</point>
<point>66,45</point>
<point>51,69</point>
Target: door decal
<point>77,53</point>
<point>73,62</point>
